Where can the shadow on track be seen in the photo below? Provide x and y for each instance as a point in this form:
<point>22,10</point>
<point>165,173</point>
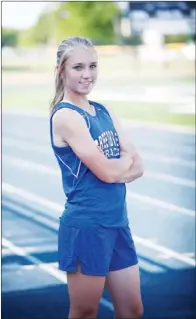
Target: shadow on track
<point>169,294</point>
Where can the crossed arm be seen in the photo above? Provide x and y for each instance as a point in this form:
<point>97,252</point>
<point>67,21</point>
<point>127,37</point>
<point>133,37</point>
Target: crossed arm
<point>136,169</point>
<point>70,128</point>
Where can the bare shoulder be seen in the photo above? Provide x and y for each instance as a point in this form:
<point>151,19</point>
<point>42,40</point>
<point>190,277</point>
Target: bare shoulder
<point>65,116</point>
<point>68,124</point>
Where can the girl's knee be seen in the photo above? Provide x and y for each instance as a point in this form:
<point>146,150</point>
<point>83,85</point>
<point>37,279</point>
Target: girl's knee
<point>82,311</point>
<point>132,312</point>
<point>138,311</point>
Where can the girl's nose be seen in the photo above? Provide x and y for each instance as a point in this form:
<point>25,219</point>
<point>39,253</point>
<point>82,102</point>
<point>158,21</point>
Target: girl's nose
<point>86,73</point>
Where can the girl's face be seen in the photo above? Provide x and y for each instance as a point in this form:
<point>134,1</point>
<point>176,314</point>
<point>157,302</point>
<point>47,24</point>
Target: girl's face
<point>80,72</point>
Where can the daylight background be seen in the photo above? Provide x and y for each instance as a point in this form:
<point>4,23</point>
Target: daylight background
<point>146,52</point>
<point>147,75</point>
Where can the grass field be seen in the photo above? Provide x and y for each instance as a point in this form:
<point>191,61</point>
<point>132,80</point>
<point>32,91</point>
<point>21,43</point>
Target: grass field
<point>29,86</point>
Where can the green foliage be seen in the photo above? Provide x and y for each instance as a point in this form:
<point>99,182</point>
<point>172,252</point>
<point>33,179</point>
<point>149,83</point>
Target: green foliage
<point>25,38</point>
<point>178,38</point>
<point>134,40</point>
<point>9,37</point>
<point>41,33</point>
<point>94,20</point>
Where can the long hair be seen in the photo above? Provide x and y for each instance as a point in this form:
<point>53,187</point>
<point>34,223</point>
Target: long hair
<point>64,49</point>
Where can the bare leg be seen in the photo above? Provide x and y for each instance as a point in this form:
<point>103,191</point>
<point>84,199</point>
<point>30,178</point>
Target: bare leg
<point>85,292</point>
<point>124,288</point>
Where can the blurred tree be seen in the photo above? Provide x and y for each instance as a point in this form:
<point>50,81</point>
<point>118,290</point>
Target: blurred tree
<point>178,38</point>
<point>41,33</point>
<point>9,37</point>
<point>89,19</point>
<point>134,40</point>
<point>25,38</point>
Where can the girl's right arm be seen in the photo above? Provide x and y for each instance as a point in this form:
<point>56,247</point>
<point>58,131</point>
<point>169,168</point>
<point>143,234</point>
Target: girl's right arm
<point>71,128</point>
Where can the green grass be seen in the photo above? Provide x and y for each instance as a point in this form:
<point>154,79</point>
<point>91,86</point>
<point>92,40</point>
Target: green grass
<point>29,86</point>
<point>151,112</point>
<point>24,68</point>
<point>33,98</point>
<point>37,99</point>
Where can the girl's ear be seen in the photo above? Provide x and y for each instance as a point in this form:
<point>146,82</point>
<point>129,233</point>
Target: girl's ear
<point>59,71</point>
<point>57,68</point>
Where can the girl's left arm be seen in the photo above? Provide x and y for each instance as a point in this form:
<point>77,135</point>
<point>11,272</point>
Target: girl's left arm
<point>136,169</point>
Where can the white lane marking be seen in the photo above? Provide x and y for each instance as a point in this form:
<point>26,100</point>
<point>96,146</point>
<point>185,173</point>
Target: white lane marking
<point>147,266</point>
<point>55,172</point>
<point>163,256</point>
<point>32,249</point>
<point>164,250</point>
<point>158,148</point>
<point>127,122</point>
<point>31,165</point>
<point>30,267</point>
<point>22,252</point>
<point>190,254</point>
<point>161,204</point>
<point>170,179</point>
<point>27,146</point>
<point>145,242</point>
<point>158,127</point>
<point>10,189</point>
<point>16,161</point>
<point>168,159</point>
<point>45,267</point>
<point>145,155</point>
<point>142,264</point>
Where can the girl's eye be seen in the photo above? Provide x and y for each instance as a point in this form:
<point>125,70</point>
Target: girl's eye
<point>78,67</point>
<point>93,66</point>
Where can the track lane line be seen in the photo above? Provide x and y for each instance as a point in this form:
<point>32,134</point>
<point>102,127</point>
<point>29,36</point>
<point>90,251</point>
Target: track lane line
<point>145,242</point>
<point>45,267</point>
<point>126,122</point>
<point>150,156</point>
<point>30,165</point>
<point>17,161</point>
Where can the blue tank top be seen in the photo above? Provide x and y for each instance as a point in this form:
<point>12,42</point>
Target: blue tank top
<point>89,200</point>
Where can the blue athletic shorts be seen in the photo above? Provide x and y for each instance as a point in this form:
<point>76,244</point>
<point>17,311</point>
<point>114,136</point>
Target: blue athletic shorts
<point>97,250</point>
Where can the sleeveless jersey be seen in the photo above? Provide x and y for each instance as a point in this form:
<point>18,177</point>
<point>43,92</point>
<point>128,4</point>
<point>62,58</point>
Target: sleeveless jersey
<point>89,200</point>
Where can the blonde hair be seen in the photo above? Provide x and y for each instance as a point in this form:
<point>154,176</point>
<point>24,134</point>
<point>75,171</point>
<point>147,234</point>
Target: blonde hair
<point>62,55</point>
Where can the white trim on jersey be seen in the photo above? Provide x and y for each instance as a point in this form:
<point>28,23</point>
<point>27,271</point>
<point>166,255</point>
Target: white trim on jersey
<point>75,175</point>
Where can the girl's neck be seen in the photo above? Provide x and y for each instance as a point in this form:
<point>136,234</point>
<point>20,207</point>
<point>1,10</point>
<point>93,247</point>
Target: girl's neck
<point>77,99</point>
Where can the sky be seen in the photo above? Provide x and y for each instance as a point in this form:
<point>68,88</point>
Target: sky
<point>21,15</point>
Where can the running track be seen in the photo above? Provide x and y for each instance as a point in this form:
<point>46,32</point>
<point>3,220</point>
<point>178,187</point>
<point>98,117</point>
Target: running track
<point>161,212</point>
